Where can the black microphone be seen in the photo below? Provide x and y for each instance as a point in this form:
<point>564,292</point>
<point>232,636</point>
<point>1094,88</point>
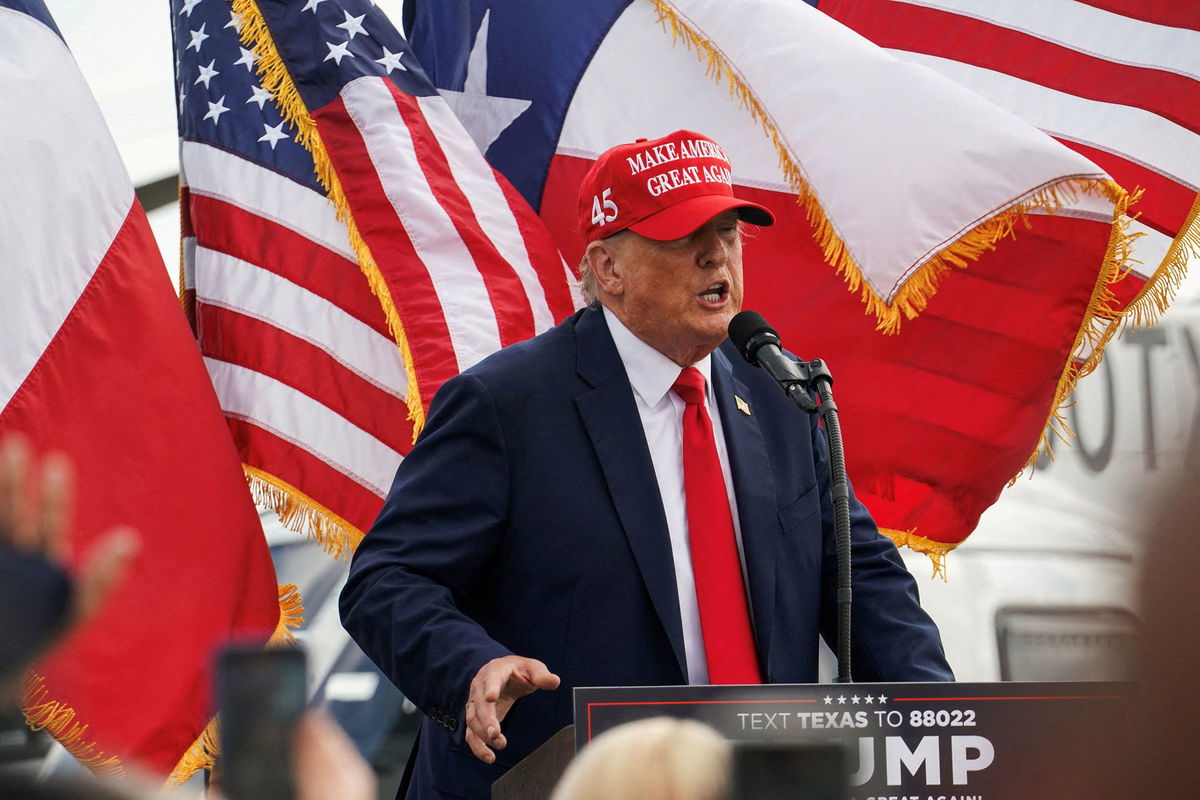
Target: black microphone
<point>759,344</point>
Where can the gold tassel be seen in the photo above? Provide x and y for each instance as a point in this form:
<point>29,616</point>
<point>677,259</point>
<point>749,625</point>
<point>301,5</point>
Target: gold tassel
<point>1102,320</point>
<point>937,551</point>
<point>1156,296</point>
<point>274,78</point>
<point>298,512</point>
<point>58,719</point>
<point>203,752</point>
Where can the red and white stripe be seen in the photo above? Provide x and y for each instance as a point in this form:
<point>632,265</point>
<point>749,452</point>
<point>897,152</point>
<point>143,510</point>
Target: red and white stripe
<point>310,378</point>
<point>460,250</point>
<point>1117,81</point>
<point>308,375</point>
<point>98,363</point>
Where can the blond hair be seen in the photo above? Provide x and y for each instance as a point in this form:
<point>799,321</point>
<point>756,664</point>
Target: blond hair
<point>652,759</point>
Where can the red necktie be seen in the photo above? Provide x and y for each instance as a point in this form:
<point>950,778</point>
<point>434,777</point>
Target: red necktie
<point>720,592</point>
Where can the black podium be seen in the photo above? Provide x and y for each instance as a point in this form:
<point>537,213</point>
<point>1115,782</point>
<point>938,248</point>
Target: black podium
<point>965,741</point>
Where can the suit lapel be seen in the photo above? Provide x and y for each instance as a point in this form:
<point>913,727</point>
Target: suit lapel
<point>755,491</point>
<point>611,418</point>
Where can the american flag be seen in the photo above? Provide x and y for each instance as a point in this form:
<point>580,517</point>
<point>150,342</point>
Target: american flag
<point>346,247</point>
<point>1115,80</point>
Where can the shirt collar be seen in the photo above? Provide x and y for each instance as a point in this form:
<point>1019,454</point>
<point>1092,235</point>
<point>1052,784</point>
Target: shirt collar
<point>650,372</point>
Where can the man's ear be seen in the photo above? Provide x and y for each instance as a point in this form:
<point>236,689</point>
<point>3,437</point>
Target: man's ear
<point>604,264</point>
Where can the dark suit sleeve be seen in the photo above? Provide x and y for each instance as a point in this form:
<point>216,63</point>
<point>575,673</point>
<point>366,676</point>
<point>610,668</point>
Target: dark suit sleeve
<point>418,570</point>
<point>892,638</point>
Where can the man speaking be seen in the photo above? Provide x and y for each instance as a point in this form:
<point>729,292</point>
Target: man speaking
<point>621,500</point>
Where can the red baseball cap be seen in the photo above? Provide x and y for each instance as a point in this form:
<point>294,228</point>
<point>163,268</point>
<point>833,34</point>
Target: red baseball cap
<point>662,189</point>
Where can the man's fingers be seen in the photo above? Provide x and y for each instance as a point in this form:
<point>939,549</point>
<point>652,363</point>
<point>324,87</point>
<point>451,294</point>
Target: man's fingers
<point>539,676</point>
<point>14,465</point>
<point>103,566</point>
<point>494,680</point>
<point>481,751</point>
<point>55,499</point>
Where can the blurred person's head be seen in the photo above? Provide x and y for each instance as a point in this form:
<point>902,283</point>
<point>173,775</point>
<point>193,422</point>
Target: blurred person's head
<point>651,759</point>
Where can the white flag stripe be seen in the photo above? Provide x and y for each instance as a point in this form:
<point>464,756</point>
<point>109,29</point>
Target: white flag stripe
<point>248,289</point>
<point>212,172</point>
<point>1150,249</point>
<point>478,182</point>
<point>1087,29</point>
<point>662,89</point>
<point>45,274</point>
<point>1159,144</point>
<point>297,418</point>
<point>466,306</point>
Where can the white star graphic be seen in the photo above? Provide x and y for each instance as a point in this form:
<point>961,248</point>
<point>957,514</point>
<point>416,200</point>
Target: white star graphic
<point>235,21</point>
<point>248,58</point>
<point>338,51</point>
<point>311,5</point>
<point>215,110</point>
<point>391,61</point>
<point>206,74</point>
<point>353,25</point>
<point>260,95</point>
<point>842,698</point>
<point>272,135</point>
<point>854,699</point>
<point>828,699</point>
<point>187,7</point>
<point>882,699</point>
<point>484,117</point>
<point>870,699</point>
<point>198,37</point>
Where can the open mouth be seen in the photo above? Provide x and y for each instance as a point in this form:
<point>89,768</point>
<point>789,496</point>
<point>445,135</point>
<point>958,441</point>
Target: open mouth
<point>715,293</point>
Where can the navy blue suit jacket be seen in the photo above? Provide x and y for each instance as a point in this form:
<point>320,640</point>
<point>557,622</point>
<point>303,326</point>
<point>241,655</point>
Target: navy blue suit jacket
<point>527,520</point>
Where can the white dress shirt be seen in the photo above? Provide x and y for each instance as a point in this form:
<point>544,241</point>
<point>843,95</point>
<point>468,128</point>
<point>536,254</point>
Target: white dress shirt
<point>652,374</point>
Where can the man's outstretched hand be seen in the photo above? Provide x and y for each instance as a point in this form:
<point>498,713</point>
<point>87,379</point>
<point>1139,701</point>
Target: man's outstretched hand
<point>498,684</point>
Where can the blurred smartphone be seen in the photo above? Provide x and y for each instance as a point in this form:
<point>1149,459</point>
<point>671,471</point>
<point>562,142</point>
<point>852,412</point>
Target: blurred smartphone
<point>780,770</point>
<point>260,697</point>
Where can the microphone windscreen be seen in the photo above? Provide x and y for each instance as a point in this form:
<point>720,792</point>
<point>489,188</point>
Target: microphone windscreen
<point>745,326</point>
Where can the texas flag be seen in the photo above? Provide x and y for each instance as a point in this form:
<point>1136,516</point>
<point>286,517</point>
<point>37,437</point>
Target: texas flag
<point>98,363</point>
<point>957,268</point>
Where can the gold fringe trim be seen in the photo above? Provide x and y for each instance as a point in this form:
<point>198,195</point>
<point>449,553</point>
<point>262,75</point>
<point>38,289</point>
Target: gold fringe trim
<point>182,272</point>
<point>1157,295</point>
<point>274,77</point>
<point>1103,319</point>
<point>299,512</point>
<point>204,751</point>
<point>923,282</point>
<point>937,551</point>
<point>58,719</point>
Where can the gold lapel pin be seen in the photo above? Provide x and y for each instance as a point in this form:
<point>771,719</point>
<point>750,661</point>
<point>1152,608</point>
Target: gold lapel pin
<point>742,405</point>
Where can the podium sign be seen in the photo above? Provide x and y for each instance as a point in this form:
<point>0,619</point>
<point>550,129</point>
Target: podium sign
<point>932,741</point>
